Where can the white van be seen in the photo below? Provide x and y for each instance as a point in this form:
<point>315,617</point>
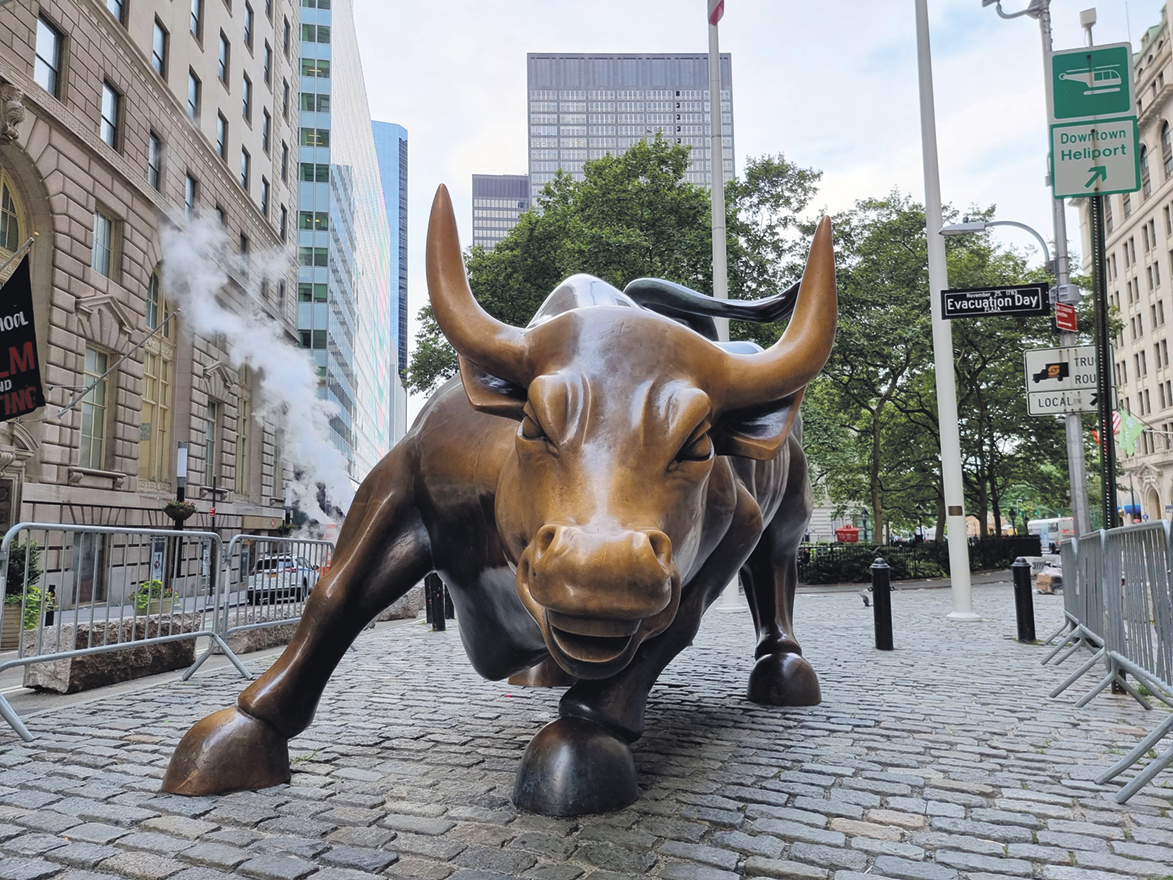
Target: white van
<point>1052,531</point>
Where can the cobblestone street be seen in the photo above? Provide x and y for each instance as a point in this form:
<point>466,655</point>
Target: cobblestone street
<point>942,759</point>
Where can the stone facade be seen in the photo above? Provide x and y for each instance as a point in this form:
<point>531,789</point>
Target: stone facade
<point>60,166</point>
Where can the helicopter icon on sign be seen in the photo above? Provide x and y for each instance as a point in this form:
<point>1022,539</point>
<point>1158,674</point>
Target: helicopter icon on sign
<point>1099,80</point>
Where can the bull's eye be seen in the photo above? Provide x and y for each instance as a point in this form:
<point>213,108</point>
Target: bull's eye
<point>697,449</point>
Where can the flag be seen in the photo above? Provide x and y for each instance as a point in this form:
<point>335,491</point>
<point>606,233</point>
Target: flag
<point>716,10</point>
<point>1130,431</point>
<point>20,374</point>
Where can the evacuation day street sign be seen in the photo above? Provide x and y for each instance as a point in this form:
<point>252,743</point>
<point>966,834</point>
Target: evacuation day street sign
<point>1019,301</point>
<point>1095,141</point>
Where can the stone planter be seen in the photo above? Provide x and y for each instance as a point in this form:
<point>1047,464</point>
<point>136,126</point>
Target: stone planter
<point>161,605</point>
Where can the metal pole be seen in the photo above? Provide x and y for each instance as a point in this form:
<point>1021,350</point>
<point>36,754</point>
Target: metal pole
<point>882,606</point>
<point>942,336</point>
<point>717,186</point>
<point>1024,606</point>
<point>1073,422</point>
<point>1103,357</point>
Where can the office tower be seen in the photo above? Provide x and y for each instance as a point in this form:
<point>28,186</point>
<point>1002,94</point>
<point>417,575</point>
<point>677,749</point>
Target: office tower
<point>585,106</point>
<point>344,245</point>
<point>391,149</point>
<point>498,200</point>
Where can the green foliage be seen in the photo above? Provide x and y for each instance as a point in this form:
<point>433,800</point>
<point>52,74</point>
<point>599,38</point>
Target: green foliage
<point>632,216</point>
<point>148,591</point>
<point>18,554</point>
<point>34,602</point>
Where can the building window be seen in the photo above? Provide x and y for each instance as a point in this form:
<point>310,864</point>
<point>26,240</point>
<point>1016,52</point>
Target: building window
<point>47,67</point>
<point>155,425</point>
<point>197,19</point>
<point>1146,182</point>
<point>315,137</point>
<point>266,128</point>
<point>247,99</point>
<point>116,8</point>
<point>193,95</point>
<point>159,49</point>
<point>268,63</point>
<point>102,255</point>
<point>154,161</point>
<point>222,67</point>
<point>315,103</point>
<point>245,167</point>
<point>11,222</point>
<point>248,25</point>
<point>284,162</point>
<point>222,136</point>
<point>111,105</point>
<point>318,67</point>
<point>1167,149</point>
<point>189,196</point>
<point>211,443</point>
<point>93,411</point>
<point>311,173</point>
<point>244,412</point>
<point>284,223</point>
<point>285,99</point>
<point>285,37</point>
<point>264,197</point>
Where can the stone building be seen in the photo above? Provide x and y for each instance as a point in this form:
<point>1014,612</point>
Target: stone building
<point>121,118</point>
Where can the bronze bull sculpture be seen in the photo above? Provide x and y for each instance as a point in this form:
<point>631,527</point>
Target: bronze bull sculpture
<point>586,490</point>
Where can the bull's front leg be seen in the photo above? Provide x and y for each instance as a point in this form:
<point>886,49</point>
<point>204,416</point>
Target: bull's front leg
<point>382,552</point>
<point>581,762</point>
<point>781,675</point>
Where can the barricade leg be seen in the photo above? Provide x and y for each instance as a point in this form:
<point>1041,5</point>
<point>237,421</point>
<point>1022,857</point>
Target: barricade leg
<point>1067,626</point>
<point>1145,776</point>
<point>9,715</point>
<point>1115,676</point>
<point>228,652</point>
<point>1141,749</point>
<point>1079,673</point>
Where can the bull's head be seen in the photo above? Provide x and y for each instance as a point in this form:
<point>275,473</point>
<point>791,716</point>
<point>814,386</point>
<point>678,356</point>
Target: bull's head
<point>602,506</point>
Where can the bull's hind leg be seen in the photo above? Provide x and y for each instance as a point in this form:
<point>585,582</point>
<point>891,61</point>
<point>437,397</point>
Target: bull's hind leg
<point>781,675</point>
<point>382,552</point>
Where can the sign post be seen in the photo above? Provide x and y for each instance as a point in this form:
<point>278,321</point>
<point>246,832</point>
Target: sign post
<point>1095,150</point>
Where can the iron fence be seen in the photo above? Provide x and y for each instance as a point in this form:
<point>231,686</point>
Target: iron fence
<point>851,563</point>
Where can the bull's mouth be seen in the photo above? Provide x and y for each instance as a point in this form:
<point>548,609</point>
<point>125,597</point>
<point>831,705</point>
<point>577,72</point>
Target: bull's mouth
<point>591,641</point>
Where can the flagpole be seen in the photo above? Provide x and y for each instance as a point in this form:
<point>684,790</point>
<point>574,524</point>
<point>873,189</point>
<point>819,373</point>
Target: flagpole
<point>20,252</point>
<point>717,167</point>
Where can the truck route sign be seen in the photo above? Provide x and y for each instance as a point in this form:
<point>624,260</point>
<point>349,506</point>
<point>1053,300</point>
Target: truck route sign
<point>1060,380</point>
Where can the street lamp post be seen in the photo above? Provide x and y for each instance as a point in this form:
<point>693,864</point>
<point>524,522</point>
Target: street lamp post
<point>1077,469</point>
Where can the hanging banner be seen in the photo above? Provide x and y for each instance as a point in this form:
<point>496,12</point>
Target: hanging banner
<point>20,374</point>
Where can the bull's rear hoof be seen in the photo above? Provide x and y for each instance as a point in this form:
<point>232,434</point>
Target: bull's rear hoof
<point>574,767</point>
<point>784,680</point>
<point>227,751</point>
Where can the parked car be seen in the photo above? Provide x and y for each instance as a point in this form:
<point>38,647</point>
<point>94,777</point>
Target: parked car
<point>281,576</point>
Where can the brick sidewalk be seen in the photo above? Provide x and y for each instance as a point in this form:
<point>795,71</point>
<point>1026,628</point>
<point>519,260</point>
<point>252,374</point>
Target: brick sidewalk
<point>942,759</point>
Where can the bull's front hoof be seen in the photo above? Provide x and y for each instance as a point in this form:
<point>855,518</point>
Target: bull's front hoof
<point>227,751</point>
<point>784,680</point>
<point>574,767</point>
<point>546,674</point>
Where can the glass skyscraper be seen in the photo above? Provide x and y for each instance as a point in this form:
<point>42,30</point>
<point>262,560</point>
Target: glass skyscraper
<point>344,245</point>
<point>498,200</point>
<point>391,149</point>
<point>585,106</point>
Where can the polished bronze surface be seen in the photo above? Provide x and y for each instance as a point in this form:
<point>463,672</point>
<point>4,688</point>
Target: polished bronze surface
<point>586,489</point>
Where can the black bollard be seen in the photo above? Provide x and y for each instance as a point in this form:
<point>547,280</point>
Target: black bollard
<point>882,604</point>
<point>1024,602</point>
<point>434,591</point>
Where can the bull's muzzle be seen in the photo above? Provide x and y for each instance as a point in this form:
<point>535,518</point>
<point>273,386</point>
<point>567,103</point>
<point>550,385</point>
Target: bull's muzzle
<point>597,594</point>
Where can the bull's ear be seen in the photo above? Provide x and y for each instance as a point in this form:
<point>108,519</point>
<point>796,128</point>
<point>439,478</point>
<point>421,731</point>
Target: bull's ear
<point>491,394</point>
<point>758,432</point>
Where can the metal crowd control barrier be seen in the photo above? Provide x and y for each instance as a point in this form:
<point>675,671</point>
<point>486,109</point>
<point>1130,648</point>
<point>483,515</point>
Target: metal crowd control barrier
<point>1118,600</point>
<point>88,590</point>
<point>268,580</point>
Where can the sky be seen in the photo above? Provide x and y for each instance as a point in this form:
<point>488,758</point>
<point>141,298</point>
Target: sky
<point>831,85</point>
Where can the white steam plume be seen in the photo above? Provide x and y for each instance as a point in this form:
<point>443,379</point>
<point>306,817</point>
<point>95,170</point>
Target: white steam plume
<point>194,272</point>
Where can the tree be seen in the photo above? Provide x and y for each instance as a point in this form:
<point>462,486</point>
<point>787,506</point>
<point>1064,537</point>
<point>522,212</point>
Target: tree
<point>633,215</point>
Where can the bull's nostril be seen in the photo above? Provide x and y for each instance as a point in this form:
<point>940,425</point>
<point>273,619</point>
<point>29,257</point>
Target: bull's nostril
<point>544,539</point>
<point>661,546</point>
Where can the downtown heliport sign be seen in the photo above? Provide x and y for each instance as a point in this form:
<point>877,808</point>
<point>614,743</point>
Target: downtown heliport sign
<point>1095,140</point>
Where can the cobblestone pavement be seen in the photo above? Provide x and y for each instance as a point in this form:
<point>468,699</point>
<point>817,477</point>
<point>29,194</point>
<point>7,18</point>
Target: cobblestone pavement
<point>942,759</point>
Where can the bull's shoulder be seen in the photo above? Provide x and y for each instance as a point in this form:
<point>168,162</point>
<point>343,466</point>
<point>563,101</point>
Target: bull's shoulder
<point>458,446</point>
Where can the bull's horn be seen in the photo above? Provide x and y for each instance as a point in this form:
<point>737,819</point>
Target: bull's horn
<point>795,359</point>
<point>492,345</point>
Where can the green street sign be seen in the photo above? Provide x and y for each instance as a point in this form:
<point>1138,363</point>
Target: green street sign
<point>1092,83</point>
<point>1095,158</point>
